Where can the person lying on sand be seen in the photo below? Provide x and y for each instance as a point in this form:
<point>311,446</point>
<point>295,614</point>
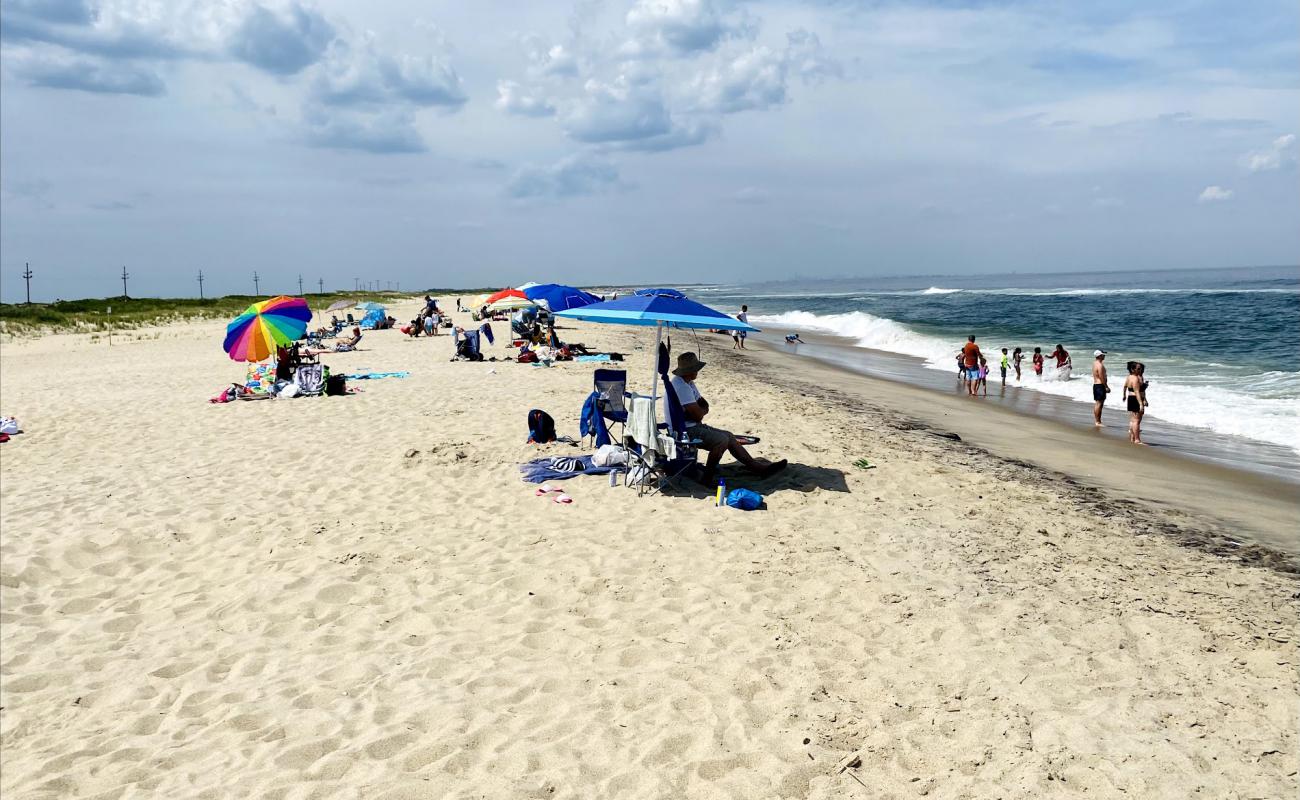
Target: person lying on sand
<point>715,440</point>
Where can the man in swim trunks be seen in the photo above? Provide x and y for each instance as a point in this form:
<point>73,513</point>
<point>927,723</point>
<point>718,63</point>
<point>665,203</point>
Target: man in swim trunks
<point>715,440</point>
<point>1100,385</point>
<point>970,358</point>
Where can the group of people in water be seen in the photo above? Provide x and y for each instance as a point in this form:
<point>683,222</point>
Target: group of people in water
<point>973,373</point>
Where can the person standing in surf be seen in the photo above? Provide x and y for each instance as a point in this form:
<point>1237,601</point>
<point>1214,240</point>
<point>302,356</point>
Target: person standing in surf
<point>1135,397</point>
<point>1063,365</point>
<point>970,357</point>
<point>1004,366</point>
<point>738,336</point>
<point>1100,385</point>
<point>1017,356</point>
<point>1038,362</point>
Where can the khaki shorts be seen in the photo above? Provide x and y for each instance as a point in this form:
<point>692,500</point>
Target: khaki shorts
<point>709,436</point>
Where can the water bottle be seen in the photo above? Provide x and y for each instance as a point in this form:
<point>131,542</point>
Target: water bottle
<point>613,478</point>
<point>722,492</point>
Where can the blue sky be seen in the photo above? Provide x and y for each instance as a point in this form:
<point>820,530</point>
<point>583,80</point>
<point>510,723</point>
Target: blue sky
<point>641,141</point>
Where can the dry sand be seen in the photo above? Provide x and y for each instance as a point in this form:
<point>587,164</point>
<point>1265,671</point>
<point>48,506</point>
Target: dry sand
<point>357,597</point>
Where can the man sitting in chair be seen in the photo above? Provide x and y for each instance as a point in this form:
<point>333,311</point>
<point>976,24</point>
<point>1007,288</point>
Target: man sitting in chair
<point>715,440</point>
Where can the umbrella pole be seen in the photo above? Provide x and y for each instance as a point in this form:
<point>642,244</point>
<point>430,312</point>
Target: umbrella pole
<point>654,366</point>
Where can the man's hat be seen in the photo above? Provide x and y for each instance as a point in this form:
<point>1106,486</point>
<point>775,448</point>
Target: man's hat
<point>688,363</point>
<point>1099,352</point>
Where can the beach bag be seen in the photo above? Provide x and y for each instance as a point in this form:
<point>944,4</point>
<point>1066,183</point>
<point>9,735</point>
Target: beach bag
<point>528,357</point>
<point>744,499</point>
<point>609,455</point>
<point>336,385</point>
<point>9,425</point>
<point>541,427</point>
<point>310,379</point>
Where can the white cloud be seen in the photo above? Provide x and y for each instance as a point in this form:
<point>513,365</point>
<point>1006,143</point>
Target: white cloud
<point>515,99</point>
<point>386,132</point>
<point>1281,151</point>
<point>754,79</point>
<point>360,74</point>
<point>570,177</point>
<point>679,27</point>
<point>63,70</point>
<point>1214,194</point>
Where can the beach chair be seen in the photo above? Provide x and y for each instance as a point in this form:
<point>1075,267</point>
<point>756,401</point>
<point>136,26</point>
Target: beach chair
<point>343,347</point>
<point>606,404</point>
<point>672,456</point>
<point>468,345</point>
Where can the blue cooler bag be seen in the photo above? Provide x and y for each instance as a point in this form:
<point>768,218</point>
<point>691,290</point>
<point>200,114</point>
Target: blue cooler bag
<point>744,499</point>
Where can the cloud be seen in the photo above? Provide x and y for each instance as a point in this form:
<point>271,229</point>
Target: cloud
<point>73,12</point>
<point>750,195</point>
<point>360,75</point>
<point>284,42</point>
<point>679,27</point>
<point>385,133</point>
<point>617,112</point>
<point>754,79</point>
<point>1280,152</point>
<point>64,71</point>
<point>570,177</point>
<point>515,99</point>
<point>1214,194</point>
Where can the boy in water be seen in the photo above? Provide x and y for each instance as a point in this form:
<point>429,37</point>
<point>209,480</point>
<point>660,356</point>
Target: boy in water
<point>1005,365</point>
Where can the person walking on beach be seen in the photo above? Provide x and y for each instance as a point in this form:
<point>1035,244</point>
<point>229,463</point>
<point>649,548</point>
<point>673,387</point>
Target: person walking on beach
<point>1135,397</point>
<point>971,355</point>
<point>1004,366</point>
<point>1100,385</point>
<point>1038,362</point>
<point>458,308</point>
<point>1017,356</point>
<point>738,336</point>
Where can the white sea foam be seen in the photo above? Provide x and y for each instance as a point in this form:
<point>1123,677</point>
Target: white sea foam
<point>1264,407</point>
<point>940,290</point>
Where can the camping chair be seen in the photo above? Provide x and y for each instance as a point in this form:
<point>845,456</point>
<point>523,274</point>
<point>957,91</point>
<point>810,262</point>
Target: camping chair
<point>343,347</point>
<point>605,404</point>
<point>674,453</point>
<point>468,343</point>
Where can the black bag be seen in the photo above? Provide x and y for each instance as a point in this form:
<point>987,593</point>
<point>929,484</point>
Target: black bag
<point>541,427</point>
<point>336,384</point>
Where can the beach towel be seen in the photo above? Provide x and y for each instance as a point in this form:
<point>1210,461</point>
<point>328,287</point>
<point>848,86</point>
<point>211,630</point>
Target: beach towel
<point>310,379</point>
<point>591,423</point>
<point>540,469</point>
<point>642,425</point>
<point>374,376</point>
<point>597,357</point>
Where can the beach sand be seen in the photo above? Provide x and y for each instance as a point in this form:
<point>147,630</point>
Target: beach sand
<point>357,597</point>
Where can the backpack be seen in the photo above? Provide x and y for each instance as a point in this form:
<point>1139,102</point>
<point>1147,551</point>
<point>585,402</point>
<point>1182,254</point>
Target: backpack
<point>336,385</point>
<point>528,357</point>
<point>541,427</point>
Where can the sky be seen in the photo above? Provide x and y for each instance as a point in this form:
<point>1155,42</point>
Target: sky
<point>443,144</point>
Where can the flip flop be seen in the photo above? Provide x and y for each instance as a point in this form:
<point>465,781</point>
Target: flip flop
<point>545,490</point>
<point>748,440</point>
<point>563,499</point>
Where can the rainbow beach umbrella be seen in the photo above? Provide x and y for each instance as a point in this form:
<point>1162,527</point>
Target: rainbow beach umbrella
<point>254,334</point>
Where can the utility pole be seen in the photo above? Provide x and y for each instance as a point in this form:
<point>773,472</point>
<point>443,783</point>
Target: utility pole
<point>257,289</point>
<point>200,284</point>
<point>27,276</point>
<point>356,284</point>
<point>321,283</point>
<point>299,285</point>
<point>125,296</point>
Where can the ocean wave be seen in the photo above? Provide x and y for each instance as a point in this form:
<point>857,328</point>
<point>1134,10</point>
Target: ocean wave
<point>940,290</point>
<point>1261,406</point>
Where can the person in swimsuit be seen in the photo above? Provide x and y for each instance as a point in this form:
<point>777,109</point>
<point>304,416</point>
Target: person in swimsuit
<point>793,338</point>
<point>984,375</point>
<point>971,355</point>
<point>1005,365</point>
<point>1135,397</point>
<point>1017,356</point>
<point>1063,365</point>
<point>1038,361</point>
<point>1100,385</point>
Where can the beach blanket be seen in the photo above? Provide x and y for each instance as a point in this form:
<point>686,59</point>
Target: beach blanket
<point>374,376</point>
<point>559,468</point>
<point>597,357</point>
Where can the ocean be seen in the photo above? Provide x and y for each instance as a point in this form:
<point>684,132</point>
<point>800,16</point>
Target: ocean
<point>1221,347</point>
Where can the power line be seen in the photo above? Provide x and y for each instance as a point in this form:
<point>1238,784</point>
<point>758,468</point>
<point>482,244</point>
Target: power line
<point>27,276</point>
<point>257,289</point>
<point>124,277</point>
<point>200,284</point>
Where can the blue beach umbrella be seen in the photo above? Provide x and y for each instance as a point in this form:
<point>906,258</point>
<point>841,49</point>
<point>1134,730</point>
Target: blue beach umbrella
<point>668,308</point>
<point>557,297</point>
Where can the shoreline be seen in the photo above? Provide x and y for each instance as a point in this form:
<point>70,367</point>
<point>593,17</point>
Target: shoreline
<point>1241,454</point>
<point>1221,505</point>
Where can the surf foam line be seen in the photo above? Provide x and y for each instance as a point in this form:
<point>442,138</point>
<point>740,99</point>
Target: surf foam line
<point>1214,403</point>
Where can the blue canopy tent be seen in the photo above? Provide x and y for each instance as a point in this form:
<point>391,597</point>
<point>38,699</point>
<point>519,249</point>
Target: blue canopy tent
<point>558,297</point>
<point>662,308</point>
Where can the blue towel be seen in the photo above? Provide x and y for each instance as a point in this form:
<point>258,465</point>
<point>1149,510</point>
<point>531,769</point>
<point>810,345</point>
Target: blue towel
<point>372,376</point>
<point>597,357</point>
<point>539,469</point>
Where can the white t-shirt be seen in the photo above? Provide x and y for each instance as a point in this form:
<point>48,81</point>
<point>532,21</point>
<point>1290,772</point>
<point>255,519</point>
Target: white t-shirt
<point>686,394</point>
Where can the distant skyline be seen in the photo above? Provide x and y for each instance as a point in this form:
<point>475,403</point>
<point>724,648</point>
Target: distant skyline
<point>637,142</point>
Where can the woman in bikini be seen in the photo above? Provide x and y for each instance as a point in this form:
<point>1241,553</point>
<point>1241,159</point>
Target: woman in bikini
<point>1135,396</point>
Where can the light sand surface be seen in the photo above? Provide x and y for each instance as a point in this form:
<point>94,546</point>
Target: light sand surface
<point>357,597</point>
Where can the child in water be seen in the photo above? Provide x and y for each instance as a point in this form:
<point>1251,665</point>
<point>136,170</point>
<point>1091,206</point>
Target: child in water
<point>984,376</point>
<point>1005,365</point>
<point>1016,358</point>
<point>1038,361</point>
